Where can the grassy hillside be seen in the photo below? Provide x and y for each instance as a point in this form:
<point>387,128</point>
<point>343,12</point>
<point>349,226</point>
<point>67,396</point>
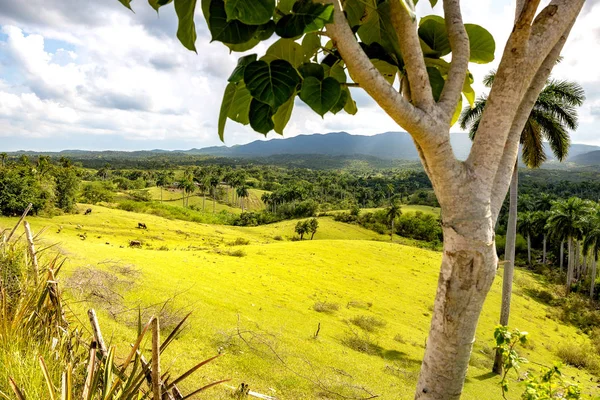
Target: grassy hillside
<point>260,303</point>
<point>406,208</point>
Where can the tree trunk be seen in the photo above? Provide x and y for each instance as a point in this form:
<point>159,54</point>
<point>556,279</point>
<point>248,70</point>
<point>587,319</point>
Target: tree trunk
<point>509,260</point>
<point>214,194</point>
<point>183,197</point>
<point>467,272</point>
<point>392,231</point>
<point>203,199</point>
<point>594,268</point>
<point>570,263</point>
<point>562,254</point>
<point>544,250</point>
<point>529,249</point>
<point>576,260</point>
<point>584,267</point>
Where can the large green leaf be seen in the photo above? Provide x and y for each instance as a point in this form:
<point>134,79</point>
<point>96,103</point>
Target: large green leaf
<point>339,106</point>
<point>263,32</point>
<point>238,72</point>
<point>312,69</point>
<point>288,50</point>
<point>224,30</point>
<point>355,10</point>
<point>432,31</point>
<point>311,43</point>
<point>350,106</point>
<point>378,28</point>
<point>307,16</point>
<point>235,105</point>
<point>321,96</point>
<point>468,92</point>
<point>387,70</point>
<point>336,71</point>
<point>254,12</point>
<point>285,6</point>
<point>283,114</point>
<point>261,117</point>
<point>482,44</point>
<point>126,3</point>
<point>271,83</point>
<point>437,82</point>
<point>186,29</point>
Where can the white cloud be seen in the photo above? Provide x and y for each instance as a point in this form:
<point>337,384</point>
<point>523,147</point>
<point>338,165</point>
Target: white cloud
<point>94,68</point>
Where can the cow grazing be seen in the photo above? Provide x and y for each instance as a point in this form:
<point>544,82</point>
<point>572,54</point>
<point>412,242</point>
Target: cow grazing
<point>88,211</point>
<point>142,225</point>
<point>135,243</point>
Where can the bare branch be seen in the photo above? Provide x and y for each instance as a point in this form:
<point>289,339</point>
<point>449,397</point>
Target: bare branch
<point>526,50</point>
<point>511,148</point>
<point>459,42</point>
<point>408,39</point>
<point>363,72</point>
<point>525,11</point>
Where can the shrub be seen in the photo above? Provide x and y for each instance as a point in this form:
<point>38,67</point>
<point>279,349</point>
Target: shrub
<point>368,323</point>
<point>361,344</point>
<point>95,192</point>
<point>277,237</point>
<point>580,356</point>
<point>140,195</point>
<point>325,307</point>
<point>237,253</point>
<point>239,242</point>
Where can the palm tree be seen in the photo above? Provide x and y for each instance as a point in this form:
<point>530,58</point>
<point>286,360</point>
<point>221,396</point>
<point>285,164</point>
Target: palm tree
<point>591,244</point>
<point>163,179</point>
<point>393,212</point>
<point>3,157</point>
<point>553,114</point>
<point>527,225</point>
<point>242,192</point>
<point>543,204</point>
<point>565,221</point>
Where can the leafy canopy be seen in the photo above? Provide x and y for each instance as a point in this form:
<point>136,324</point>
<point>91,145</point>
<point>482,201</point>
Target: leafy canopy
<point>301,62</point>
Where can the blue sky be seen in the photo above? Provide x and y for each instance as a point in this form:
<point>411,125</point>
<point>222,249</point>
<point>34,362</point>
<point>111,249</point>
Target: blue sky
<point>89,74</point>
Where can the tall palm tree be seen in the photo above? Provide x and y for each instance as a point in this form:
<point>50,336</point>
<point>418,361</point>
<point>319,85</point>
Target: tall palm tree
<point>553,114</point>
<point>591,245</point>
<point>527,225</point>
<point>393,212</point>
<point>242,192</point>
<point>543,204</point>
<point>565,221</point>
<point>3,157</point>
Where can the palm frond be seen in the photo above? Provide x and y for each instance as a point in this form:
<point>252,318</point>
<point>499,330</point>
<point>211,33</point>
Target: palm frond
<point>568,92</point>
<point>488,80</point>
<point>554,132</point>
<point>533,147</point>
<point>470,117</point>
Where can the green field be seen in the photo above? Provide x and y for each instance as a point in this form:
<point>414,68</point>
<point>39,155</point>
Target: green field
<point>255,303</point>
<point>406,208</point>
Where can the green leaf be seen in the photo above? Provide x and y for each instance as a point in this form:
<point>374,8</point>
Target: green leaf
<point>186,29</point>
<point>311,43</point>
<point>350,106</point>
<point>432,31</point>
<point>321,96</point>
<point>355,11</point>
<point>437,82</point>
<point>442,65</point>
<point>254,12</point>
<point>240,105</point>
<point>339,106</point>
<point>312,69</point>
<point>238,72</point>
<point>457,112</point>
<point>156,4</point>
<point>271,83</point>
<point>283,114</point>
<point>378,28</point>
<point>336,71</point>
<point>482,44</point>
<point>225,105</point>
<point>263,32</point>
<point>285,6</point>
<point>468,92</point>
<point>409,6</point>
<point>235,105</point>
<point>261,117</point>
<point>223,30</point>
<point>388,70</point>
<point>127,3</point>
<point>306,17</point>
<point>288,50</point>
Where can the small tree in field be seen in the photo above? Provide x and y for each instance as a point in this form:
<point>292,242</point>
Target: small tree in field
<point>313,225</point>
<point>301,228</point>
<point>326,47</point>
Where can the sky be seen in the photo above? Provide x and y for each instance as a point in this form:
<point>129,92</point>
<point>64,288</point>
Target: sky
<point>90,74</point>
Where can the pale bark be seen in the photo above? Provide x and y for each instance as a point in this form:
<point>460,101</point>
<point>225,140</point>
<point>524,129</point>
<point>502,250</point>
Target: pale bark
<point>562,254</point>
<point>509,261</point>
<point>570,263</point>
<point>544,249</point>
<point>594,269</point>
<point>529,249</point>
<point>471,192</point>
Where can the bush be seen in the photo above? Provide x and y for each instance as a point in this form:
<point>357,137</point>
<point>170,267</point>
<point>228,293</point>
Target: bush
<point>580,356</point>
<point>140,195</point>
<point>240,242</point>
<point>95,192</point>
<point>368,323</point>
<point>237,253</point>
<point>419,226</point>
<point>325,307</point>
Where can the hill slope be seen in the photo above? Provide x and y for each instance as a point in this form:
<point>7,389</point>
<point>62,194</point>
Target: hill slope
<point>259,307</point>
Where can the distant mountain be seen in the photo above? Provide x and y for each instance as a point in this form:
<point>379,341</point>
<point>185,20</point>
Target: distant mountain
<point>589,158</point>
<point>387,146</point>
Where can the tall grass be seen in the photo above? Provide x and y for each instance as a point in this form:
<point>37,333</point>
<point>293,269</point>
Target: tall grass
<point>43,356</point>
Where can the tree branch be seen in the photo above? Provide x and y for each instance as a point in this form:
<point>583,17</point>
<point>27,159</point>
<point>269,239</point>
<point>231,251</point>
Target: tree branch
<point>527,48</point>
<point>511,148</point>
<point>410,46</point>
<point>459,42</point>
<point>362,71</point>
